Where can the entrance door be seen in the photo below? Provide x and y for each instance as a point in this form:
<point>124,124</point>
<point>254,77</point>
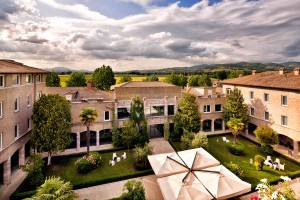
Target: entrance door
<point>156,131</point>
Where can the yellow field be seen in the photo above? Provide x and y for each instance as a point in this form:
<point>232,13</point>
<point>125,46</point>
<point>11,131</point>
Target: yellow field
<point>63,78</point>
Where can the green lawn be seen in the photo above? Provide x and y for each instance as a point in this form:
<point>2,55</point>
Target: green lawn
<point>218,149</point>
<point>64,78</point>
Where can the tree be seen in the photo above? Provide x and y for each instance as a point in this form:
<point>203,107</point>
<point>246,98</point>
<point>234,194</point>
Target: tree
<point>176,79</point>
<point>151,78</point>
<point>235,107</point>
<point>104,77</point>
<point>235,125</point>
<point>116,133</point>
<point>188,116</point>
<point>129,133</point>
<point>140,155</point>
<point>54,188</point>
<point>76,79</point>
<point>167,133</point>
<point>137,116</point>
<point>200,140</point>
<point>266,136</point>
<point>135,191</point>
<point>125,78</point>
<point>52,123</point>
<point>200,80</point>
<point>87,117</point>
<point>52,80</point>
<point>193,80</point>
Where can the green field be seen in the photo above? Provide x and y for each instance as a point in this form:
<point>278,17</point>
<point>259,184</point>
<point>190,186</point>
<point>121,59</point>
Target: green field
<point>64,78</point>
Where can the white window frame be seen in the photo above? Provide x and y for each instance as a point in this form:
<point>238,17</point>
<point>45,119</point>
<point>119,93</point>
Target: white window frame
<point>108,115</point>
<point>282,96</point>
<point>3,81</point>
<point>29,123</point>
<point>38,78</point>
<point>18,131</point>
<point>1,109</point>
<point>29,100</point>
<point>268,116</point>
<point>251,95</point>
<point>18,79</point>
<point>252,115</point>
<point>30,81</point>
<point>205,109</point>
<point>1,140</point>
<point>18,104</point>
<point>282,117</point>
<point>221,108</point>
<point>228,90</point>
<point>266,95</point>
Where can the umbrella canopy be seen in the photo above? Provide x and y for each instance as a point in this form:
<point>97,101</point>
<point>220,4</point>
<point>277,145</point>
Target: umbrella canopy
<point>183,186</point>
<point>222,183</point>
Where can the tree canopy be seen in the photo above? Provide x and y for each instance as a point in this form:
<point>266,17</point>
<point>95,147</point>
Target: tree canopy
<point>176,79</point>
<point>76,79</point>
<point>235,107</point>
<point>125,78</point>
<point>235,125</point>
<point>266,135</point>
<point>188,116</point>
<point>199,80</point>
<point>104,77</point>
<point>51,124</point>
<point>52,80</point>
<point>151,78</point>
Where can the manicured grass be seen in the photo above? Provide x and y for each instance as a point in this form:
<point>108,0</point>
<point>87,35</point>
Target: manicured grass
<point>64,78</point>
<point>218,149</point>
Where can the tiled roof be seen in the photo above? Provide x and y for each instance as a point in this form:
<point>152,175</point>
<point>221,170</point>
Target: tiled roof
<point>142,84</point>
<point>270,79</point>
<point>12,67</point>
<point>83,93</point>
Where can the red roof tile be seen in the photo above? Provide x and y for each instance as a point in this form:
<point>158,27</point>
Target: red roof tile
<point>13,67</point>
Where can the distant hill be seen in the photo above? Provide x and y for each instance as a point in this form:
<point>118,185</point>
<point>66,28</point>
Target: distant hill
<point>65,70</point>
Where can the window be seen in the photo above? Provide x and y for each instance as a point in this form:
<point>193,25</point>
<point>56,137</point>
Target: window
<point>218,108</point>
<point>1,139</point>
<point>29,100</point>
<point>39,78</point>
<point>17,104</point>
<point>155,111</point>
<point>16,131</point>
<point>228,90</point>
<point>284,101</point>
<point>252,112</point>
<point>1,109</point>
<point>171,110</point>
<point>267,116</point>
<point>106,116</point>
<point>123,113</point>
<point>38,95</point>
<point>284,120</point>
<point>251,94</point>
<point>28,78</point>
<point>266,97</point>
<point>2,80</point>
<point>206,109</point>
<point>16,79</point>
<point>29,123</point>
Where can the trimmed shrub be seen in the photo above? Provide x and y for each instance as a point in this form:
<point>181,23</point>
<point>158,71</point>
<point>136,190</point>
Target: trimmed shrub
<point>234,168</point>
<point>186,140</point>
<point>238,149</point>
<point>87,164</point>
<point>140,155</point>
<point>200,140</point>
<point>259,162</point>
<point>135,191</point>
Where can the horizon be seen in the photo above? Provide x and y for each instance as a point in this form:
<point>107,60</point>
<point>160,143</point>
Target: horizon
<point>148,34</point>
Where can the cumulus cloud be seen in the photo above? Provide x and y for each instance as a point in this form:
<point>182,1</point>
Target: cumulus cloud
<point>160,35</point>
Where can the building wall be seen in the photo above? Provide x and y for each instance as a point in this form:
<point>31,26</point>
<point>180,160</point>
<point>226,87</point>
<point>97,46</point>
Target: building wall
<point>275,109</point>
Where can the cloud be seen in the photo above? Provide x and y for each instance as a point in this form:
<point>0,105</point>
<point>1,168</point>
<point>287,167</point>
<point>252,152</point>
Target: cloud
<point>236,43</point>
<point>293,49</point>
<point>160,35</point>
<point>141,2</point>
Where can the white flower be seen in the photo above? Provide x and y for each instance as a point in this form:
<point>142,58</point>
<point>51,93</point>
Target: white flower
<point>264,180</point>
<point>274,195</point>
<point>259,186</point>
<point>285,178</point>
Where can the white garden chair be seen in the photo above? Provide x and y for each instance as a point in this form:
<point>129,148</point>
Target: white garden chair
<point>114,157</point>
<point>277,161</point>
<point>118,159</point>
<point>224,139</point>
<point>123,156</point>
<point>281,166</point>
<point>112,162</point>
<point>269,158</point>
<point>268,163</point>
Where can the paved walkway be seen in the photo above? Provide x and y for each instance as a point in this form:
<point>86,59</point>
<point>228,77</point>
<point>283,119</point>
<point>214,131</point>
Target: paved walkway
<point>160,145</point>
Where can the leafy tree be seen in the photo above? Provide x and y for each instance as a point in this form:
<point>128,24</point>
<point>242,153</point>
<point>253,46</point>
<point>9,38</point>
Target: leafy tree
<point>129,133</point>
<point>266,136</point>
<point>76,79</point>
<point>87,117</point>
<point>193,80</point>
<point>137,116</point>
<point>135,191</point>
<point>200,140</point>
<point>176,79</point>
<point>116,133</point>
<point>221,75</point>
<point>104,77</point>
<point>125,78</point>
<point>186,140</point>
<point>235,107</point>
<point>188,116</point>
<point>52,80</point>
<point>140,155</point>
<point>151,78</point>
<point>167,130</point>
<point>200,80</point>
<point>51,124</point>
<point>33,167</point>
<point>235,125</point>
<point>54,188</point>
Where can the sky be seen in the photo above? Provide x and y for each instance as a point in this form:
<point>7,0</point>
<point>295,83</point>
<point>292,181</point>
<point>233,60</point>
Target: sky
<point>148,34</point>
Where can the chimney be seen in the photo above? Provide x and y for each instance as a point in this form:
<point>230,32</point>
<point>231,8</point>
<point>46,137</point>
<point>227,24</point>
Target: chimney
<point>296,71</point>
<point>281,70</point>
<point>253,72</point>
<point>240,75</point>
